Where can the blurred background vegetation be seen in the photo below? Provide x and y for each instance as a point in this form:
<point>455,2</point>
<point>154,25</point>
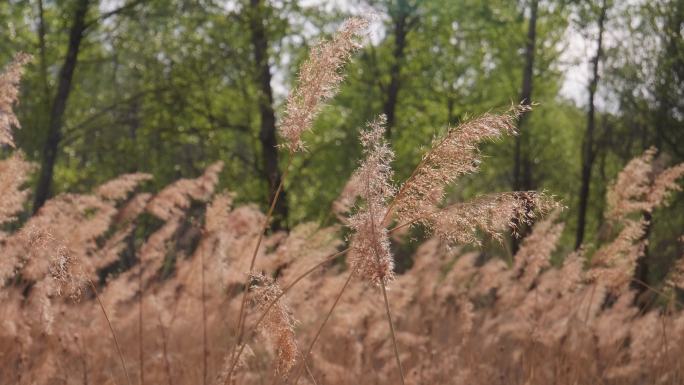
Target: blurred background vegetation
<point>170,86</point>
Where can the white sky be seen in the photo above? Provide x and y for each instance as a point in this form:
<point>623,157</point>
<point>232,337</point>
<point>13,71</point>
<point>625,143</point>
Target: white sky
<point>574,61</point>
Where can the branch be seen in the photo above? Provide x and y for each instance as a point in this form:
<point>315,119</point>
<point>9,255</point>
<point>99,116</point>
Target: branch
<point>126,7</point>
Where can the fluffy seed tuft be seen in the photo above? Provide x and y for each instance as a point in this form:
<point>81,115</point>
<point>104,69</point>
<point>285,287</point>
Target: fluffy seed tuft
<point>9,92</point>
<point>318,80</point>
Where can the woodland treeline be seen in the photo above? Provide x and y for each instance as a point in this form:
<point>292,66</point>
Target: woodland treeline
<point>168,87</point>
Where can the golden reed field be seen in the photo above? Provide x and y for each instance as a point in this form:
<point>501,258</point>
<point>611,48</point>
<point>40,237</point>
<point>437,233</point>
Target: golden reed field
<point>182,286</point>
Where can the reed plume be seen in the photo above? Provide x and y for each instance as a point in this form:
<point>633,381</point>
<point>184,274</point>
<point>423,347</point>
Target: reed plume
<point>9,94</point>
<point>14,173</point>
<point>278,325</point>
<point>370,253</point>
<point>319,78</point>
<point>451,156</point>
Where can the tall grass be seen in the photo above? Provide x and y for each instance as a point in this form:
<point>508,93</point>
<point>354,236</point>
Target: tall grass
<point>220,299</point>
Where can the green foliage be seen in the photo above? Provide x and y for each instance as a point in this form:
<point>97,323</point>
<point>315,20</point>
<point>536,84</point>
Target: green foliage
<point>169,86</point>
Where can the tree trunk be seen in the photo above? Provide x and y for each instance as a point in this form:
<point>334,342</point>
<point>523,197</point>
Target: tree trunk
<point>43,54</point>
<point>400,18</point>
<point>54,134</point>
<point>522,179</point>
<point>267,132</point>
<point>588,153</point>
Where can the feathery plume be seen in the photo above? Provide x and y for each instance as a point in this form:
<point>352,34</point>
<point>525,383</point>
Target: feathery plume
<point>370,252</point>
<point>77,221</point>
<point>14,172</point>
<point>613,264</point>
<point>119,188</point>
<point>494,214</point>
<point>133,208</point>
<point>278,326</point>
<point>642,186</point>
<point>626,194</point>
<point>318,80</point>
<point>664,184</point>
<point>535,252</point>
<point>451,156</point>
<point>218,212</point>
<point>63,269</point>
<point>9,93</point>
<point>572,272</point>
<point>172,200</point>
<point>67,274</point>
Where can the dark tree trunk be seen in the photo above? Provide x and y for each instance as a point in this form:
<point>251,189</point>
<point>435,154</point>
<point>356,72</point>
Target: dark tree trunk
<point>522,175</point>
<point>604,141</point>
<point>452,119</point>
<point>54,134</point>
<point>522,167</point>
<point>588,153</point>
<point>669,83</point>
<point>267,131</point>
<point>43,54</point>
<point>400,18</point>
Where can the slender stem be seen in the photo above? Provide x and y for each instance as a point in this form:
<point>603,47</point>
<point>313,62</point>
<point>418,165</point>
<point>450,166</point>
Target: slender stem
<point>376,253</point>
<point>653,289</point>
<point>276,299</point>
<point>591,300</point>
<point>165,353</point>
<point>325,320</point>
<point>287,289</point>
<point>306,367</point>
<point>204,322</point>
<point>111,329</point>
<point>394,338</point>
<point>264,227</point>
<point>399,227</point>
<point>308,371</point>
<point>140,325</point>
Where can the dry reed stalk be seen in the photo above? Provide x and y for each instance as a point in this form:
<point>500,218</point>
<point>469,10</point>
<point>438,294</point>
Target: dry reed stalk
<point>287,288</point>
<point>371,254</point>
<point>325,321</point>
<point>205,352</point>
<point>392,333</point>
<point>318,80</point>
<point>275,300</point>
<point>308,371</point>
<point>264,227</point>
<point>378,259</point>
<point>140,325</point>
<point>165,353</point>
<point>111,329</point>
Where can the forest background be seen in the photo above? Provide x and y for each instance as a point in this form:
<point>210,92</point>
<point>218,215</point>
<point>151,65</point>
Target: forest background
<point>168,87</point>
